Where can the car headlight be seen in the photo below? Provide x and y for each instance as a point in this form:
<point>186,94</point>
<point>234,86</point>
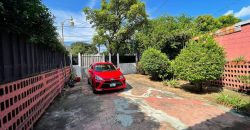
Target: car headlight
<point>98,78</point>
<point>121,77</point>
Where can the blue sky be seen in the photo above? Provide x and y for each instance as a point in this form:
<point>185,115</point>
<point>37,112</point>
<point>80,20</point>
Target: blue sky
<point>64,9</point>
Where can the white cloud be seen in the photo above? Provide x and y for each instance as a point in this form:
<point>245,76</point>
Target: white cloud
<point>82,30</point>
<point>92,3</point>
<point>229,12</point>
<point>244,12</point>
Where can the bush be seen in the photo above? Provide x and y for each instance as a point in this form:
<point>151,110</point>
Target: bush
<point>200,61</point>
<point>172,83</point>
<point>155,63</point>
<point>139,69</point>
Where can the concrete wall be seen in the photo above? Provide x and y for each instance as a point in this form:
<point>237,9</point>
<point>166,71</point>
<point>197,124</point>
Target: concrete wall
<point>236,44</point>
<point>128,68</point>
<point>77,70</point>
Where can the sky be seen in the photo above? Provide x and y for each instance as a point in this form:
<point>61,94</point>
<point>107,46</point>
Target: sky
<point>82,31</point>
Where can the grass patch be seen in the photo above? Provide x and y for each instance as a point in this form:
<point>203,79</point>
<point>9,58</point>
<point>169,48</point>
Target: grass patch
<point>237,101</point>
<point>172,83</point>
<point>239,59</point>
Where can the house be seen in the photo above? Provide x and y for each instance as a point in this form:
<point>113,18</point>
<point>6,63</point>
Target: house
<point>236,42</point>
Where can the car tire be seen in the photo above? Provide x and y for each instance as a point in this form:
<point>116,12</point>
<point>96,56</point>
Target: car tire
<point>94,91</point>
<point>88,81</point>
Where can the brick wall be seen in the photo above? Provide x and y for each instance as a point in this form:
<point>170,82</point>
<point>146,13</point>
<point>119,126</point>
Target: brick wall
<point>235,44</point>
<point>22,102</point>
<point>230,77</point>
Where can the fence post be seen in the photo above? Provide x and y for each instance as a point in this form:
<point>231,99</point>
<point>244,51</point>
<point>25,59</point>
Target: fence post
<point>103,57</point>
<point>109,57</point>
<point>71,59</point>
<point>79,59</point>
<point>136,58</point>
<point>118,60</point>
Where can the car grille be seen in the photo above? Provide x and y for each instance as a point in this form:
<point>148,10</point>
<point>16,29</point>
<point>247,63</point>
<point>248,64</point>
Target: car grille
<point>106,84</point>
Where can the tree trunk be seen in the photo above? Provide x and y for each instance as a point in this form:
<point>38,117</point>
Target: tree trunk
<point>199,85</point>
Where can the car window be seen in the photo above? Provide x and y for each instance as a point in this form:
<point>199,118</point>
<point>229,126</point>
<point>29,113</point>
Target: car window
<point>104,67</point>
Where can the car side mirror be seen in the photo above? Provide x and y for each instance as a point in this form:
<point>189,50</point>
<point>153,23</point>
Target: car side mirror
<point>90,71</point>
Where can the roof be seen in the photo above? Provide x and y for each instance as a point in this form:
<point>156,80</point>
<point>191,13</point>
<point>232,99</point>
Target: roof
<point>231,29</point>
<point>242,23</point>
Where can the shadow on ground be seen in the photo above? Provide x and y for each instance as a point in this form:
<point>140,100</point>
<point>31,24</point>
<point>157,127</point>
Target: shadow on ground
<point>79,108</point>
<point>226,121</point>
<point>206,89</point>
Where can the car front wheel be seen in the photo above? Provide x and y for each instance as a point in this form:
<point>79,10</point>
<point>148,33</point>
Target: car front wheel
<point>88,81</point>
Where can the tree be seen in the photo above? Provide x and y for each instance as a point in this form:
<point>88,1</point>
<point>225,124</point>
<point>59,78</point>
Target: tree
<point>117,21</point>
<point>32,20</point>
<point>83,48</point>
<point>200,61</point>
<point>166,33</point>
<point>155,63</point>
<point>207,23</point>
<point>228,20</point>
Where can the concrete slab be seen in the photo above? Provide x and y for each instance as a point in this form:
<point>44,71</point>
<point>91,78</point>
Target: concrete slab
<point>139,107</point>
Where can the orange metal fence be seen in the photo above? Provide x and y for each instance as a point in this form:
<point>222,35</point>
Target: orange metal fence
<point>230,77</point>
<point>23,101</point>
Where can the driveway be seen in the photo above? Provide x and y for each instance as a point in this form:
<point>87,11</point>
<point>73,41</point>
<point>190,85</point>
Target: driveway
<point>139,107</point>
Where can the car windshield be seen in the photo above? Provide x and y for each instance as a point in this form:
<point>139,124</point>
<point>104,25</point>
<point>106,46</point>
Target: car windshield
<point>104,67</point>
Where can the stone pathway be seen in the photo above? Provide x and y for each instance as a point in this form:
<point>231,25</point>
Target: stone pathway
<point>139,107</point>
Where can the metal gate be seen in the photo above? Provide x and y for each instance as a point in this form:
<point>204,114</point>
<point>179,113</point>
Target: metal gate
<point>84,61</point>
<point>87,60</point>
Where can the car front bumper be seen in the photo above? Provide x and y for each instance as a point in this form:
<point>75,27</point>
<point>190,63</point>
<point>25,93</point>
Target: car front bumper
<point>105,85</point>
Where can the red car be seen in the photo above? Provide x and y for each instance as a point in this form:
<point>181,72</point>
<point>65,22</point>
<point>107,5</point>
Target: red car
<point>105,76</point>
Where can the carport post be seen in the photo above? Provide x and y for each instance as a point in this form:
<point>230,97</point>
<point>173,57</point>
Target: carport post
<point>109,57</point>
<point>79,59</point>
<point>103,57</point>
<point>136,58</point>
<point>118,60</point>
<point>70,59</point>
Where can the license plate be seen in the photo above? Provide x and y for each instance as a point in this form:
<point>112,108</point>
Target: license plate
<point>112,85</point>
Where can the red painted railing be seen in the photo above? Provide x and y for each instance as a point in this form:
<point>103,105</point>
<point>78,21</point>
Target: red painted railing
<point>230,77</point>
<point>22,102</point>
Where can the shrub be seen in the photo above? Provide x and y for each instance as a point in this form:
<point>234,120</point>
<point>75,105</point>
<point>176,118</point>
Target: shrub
<point>139,69</point>
<point>172,83</point>
<point>200,61</point>
<point>155,63</point>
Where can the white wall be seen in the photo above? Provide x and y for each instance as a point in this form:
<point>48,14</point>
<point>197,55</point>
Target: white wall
<point>128,68</point>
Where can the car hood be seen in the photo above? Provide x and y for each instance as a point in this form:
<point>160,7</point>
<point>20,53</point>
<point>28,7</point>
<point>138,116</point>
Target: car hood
<point>109,74</point>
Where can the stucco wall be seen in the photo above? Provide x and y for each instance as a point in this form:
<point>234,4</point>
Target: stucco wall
<point>128,68</point>
<point>236,44</point>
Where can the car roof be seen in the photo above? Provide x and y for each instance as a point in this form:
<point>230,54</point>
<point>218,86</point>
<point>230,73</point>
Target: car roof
<point>98,63</point>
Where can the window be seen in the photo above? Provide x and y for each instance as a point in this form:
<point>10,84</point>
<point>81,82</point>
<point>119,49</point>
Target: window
<point>104,67</point>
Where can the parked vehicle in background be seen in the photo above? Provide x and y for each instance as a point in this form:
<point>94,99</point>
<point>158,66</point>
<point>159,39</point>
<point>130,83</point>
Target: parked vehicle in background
<point>104,76</point>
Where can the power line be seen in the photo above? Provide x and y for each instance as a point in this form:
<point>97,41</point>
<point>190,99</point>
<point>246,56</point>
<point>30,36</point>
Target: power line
<point>76,36</point>
<point>73,26</point>
<point>231,3</point>
<point>160,7</point>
